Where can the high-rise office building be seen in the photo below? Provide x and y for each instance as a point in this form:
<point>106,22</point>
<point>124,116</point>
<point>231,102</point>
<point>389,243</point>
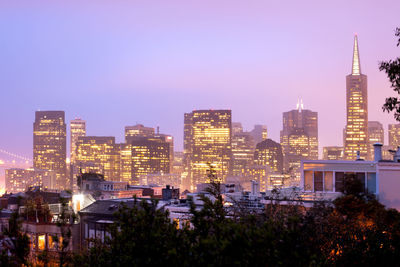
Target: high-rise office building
<point>299,138</point>
<point>259,133</point>
<point>237,128</point>
<point>125,162</point>
<point>49,145</point>
<point>170,140</point>
<point>207,140</point>
<point>375,135</point>
<point>269,153</point>
<point>77,128</point>
<point>394,136</point>
<point>356,134</point>
<point>145,152</point>
<point>98,154</point>
<point>19,180</point>
<point>150,155</point>
<point>332,153</point>
<point>242,152</point>
<point>138,130</point>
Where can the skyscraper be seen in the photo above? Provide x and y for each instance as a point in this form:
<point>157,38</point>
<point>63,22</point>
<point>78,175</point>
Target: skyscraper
<point>242,152</point>
<point>98,154</point>
<point>299,137</point>
<point>237,128</point>
<point>394,136</point>
<point>332,153</point>
<point>49,144</point>
<point>138,130</point>
<point>375,135</point>
<point>150,155</point>
<point>77,128</point>
<point>207,140</point>
<point>19,180</point>
<point>259,133</point>
<point>269,153</point>
<point>356,134</point>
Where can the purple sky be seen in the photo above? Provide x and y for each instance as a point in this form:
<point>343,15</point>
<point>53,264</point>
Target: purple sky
<point>117,63</point>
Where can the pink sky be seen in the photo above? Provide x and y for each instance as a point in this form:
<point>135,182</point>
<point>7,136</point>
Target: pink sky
<point>116,63</point>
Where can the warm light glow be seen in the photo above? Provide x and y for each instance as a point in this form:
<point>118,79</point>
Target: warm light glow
<point>77,202</point>
<point>42,242</point>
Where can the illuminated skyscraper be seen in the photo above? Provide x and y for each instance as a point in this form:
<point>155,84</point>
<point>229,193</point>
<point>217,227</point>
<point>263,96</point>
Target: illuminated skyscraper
<point>150,155</point>
<point>269,153</point>
<point>77,128</point>
<point>207,140</point>
<point>170,140</point>
<point>98,154</point>
<point>242,152</point>
<point>49,144</point>
<point>332,153</point>
<point>125,161</point>
<point>356,134</point>
<point>299,137</point>
<point>237,128</point>
<point>145,152</point>
<point>259,133</point>
<point>375,135</point>
<point>138,130</point>
<point>394,136</point>
<point>19,180</point>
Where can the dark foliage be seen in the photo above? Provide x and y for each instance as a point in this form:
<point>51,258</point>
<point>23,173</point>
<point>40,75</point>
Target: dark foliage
<point>392,70</point>
<point>353,230</point>
<point>18,243</point>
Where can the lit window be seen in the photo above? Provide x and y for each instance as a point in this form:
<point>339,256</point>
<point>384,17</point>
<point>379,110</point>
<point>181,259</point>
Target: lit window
<point>42,242</point>
<point>308,181</point>
<point>328,181</point>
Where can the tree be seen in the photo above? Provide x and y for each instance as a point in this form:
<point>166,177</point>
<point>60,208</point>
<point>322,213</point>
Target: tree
<point>19,247</point>
<point>392,69</point>
<point>65,222</point>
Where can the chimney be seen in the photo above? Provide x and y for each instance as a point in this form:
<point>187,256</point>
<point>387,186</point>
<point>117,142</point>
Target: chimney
<point>377,151</point>
<point>358,156</point>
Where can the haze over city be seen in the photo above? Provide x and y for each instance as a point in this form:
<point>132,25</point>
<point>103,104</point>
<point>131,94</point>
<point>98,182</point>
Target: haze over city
<point>199,133</point>
<point>117,63</point>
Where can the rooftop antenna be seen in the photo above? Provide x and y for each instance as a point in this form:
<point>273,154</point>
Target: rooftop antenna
<point>300,105</point>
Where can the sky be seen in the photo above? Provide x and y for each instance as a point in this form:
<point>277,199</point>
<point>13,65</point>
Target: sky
<point>118,63</point>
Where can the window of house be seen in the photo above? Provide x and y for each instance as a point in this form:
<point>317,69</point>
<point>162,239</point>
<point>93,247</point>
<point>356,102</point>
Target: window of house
<point>41,242</point>
<point>361,177</point>
<point>318,181</point>
<point>308,181</point>
<point>371,182</point>
<point>51,243</point>
<point>328,181</point>
<point>339,177</point>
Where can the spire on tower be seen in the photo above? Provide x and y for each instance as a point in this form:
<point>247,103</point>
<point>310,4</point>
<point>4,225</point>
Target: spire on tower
<point>356,67</point>
<point>300,105</point>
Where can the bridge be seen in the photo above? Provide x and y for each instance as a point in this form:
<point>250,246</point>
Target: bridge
<point>5,153</point>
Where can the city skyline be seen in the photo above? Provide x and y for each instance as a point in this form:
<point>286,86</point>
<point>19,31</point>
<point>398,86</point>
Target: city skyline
<point>257,83</point>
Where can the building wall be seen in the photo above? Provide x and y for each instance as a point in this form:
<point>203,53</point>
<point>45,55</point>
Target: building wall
<point>77,128</point>
<point>207,140</point>
<point>269,153</point>
<point>98,154</point>
<point>49,144</point>
<point>19,180</point>
<point>394,136</point>
<point>389,184</point>
<point>299,138</point>
<point>375,135</point>
<point>356,134</point>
